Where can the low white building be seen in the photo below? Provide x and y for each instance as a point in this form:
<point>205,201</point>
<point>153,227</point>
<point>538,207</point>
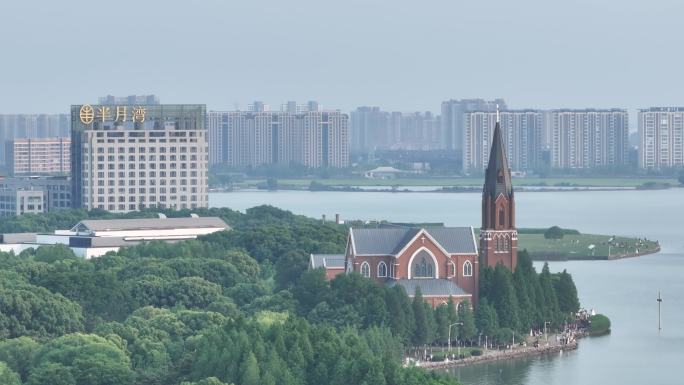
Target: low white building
<point>95,237</point>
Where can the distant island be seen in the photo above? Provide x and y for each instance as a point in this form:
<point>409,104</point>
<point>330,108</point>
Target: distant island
<point>572,245</point>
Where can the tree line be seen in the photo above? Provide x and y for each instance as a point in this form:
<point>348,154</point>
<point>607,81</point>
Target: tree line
<point>229,308</point>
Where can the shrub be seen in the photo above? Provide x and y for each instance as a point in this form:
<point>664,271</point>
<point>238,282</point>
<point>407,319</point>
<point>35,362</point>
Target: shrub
<point>599,324</point>
<point>438,357</point>
<point>476,352</point>
<point>554,232</point>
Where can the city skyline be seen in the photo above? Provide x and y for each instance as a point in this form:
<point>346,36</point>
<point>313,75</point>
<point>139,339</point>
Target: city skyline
<point>366,65</point>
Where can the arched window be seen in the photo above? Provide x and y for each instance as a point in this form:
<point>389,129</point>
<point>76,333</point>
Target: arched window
<point>467,269</point>
<point>506,243</point>
<point>452,269</point>
<point>393,272</point>
<point>382,269</point>
<point>349,267</point>
<point>423,267</point>
<point>502,217</point>
<point>365,269</point>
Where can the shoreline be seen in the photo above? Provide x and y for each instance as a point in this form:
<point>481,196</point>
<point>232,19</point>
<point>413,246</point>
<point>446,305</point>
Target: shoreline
<point>613,257</point>
<point>458,190</point>
<point>523,352</point>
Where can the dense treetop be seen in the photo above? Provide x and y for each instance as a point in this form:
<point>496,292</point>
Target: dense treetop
<point>235,307</point>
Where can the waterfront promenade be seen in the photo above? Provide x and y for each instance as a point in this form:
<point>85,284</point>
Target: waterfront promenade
<point>552,347</point>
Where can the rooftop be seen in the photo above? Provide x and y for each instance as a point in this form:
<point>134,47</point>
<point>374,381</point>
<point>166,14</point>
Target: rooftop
<point>429,287</point>
<point>330,261</point>
<point>148,224</point>
<point>390,241</point>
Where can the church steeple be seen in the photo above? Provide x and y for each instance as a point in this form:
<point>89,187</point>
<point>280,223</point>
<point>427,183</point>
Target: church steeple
<point>498,175</point>
<point>498,236</point>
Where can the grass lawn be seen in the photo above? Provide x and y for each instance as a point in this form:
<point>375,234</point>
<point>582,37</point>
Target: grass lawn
<point>446,182</point>
<point>578,246</point>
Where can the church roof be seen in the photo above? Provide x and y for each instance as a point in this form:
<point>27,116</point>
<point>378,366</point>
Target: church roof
<point>454,240</point>
<point>329,261</point>
<point>498,164</point>
<point>429,287</point>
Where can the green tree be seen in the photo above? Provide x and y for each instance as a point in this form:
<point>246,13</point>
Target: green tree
<point>7,376</point>
<point>554,232</point>
<point>551,310</point>
<point>289,268</point>
<point>192,292</point>
<point>467,331</point>
<point>311,289</point>
<point>525,306</point>
<point>53,253</point>
<point>566,292</point>
<point>486,319</point>
<point>53,374</point>
<point>89,360</point>
<point>401,312</point>
<point>452,312</point>
<point>442,320</point>
<point>18,354</point>
<point>27,310</point>
<point>503,297</point>
<point>249,370</point>
<point>420,328</point>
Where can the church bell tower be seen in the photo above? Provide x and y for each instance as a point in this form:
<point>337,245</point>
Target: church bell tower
<point>498,235</point>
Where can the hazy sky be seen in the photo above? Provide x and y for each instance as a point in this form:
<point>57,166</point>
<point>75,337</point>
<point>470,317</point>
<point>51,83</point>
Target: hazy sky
<point>398,54</point>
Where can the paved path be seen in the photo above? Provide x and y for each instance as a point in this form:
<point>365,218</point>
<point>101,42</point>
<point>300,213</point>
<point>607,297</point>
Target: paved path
<point>496,355</point>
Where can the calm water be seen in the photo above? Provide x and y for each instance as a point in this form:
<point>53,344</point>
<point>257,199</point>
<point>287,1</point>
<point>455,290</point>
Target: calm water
<point>625,290</point>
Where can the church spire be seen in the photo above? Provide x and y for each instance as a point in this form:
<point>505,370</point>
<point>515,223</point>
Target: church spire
<point>498,236</point>
<point>498,175</point>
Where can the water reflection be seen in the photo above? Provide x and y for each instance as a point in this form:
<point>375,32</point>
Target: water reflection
<point>512,372</point>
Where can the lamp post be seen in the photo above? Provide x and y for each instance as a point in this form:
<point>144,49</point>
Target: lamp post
<point>545,334</point>
<point>660,300</point>
<point>449,339</point>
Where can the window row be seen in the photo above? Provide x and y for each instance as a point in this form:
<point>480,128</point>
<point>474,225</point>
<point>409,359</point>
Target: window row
<point>141,174</point>
<point>142,166</point>
<point>142,182</point>
<point>151,149</point>
<point>422,269</point>
<point>134,207</point>
<point>142,158</point>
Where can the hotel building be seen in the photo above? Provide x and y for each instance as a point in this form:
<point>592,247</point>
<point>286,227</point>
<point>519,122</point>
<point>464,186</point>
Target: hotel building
<point>127,157</point>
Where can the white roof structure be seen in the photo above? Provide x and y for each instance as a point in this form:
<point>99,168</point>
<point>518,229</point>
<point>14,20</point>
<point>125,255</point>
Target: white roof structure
<point>107,227</point>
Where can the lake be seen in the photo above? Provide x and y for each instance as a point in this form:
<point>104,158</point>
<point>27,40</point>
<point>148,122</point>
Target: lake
<point>625,290</point>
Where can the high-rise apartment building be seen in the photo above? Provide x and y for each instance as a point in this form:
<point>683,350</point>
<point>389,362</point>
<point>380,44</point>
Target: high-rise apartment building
<point>372,129</point>
<point>453,118</point>
<point>368,129</point>
<point>661,134</point>
<point>129,100</point>
<point>38,156</point>
<point>127,157</point>
<point>521,132</point>
<point>589,138</point>
<point>248,139</point>
<point>30,126</point>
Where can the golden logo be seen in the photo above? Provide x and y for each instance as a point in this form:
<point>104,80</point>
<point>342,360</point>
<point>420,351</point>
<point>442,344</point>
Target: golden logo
<point>87,114</point>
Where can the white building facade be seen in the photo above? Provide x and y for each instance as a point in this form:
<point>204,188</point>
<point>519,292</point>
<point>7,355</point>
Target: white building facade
<point>661,135</point>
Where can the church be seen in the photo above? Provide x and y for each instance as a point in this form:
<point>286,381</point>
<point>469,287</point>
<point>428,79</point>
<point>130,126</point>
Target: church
<point>444,262</point>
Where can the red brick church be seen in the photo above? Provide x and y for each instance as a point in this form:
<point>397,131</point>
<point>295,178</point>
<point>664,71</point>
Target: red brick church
<point>443,262</point>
